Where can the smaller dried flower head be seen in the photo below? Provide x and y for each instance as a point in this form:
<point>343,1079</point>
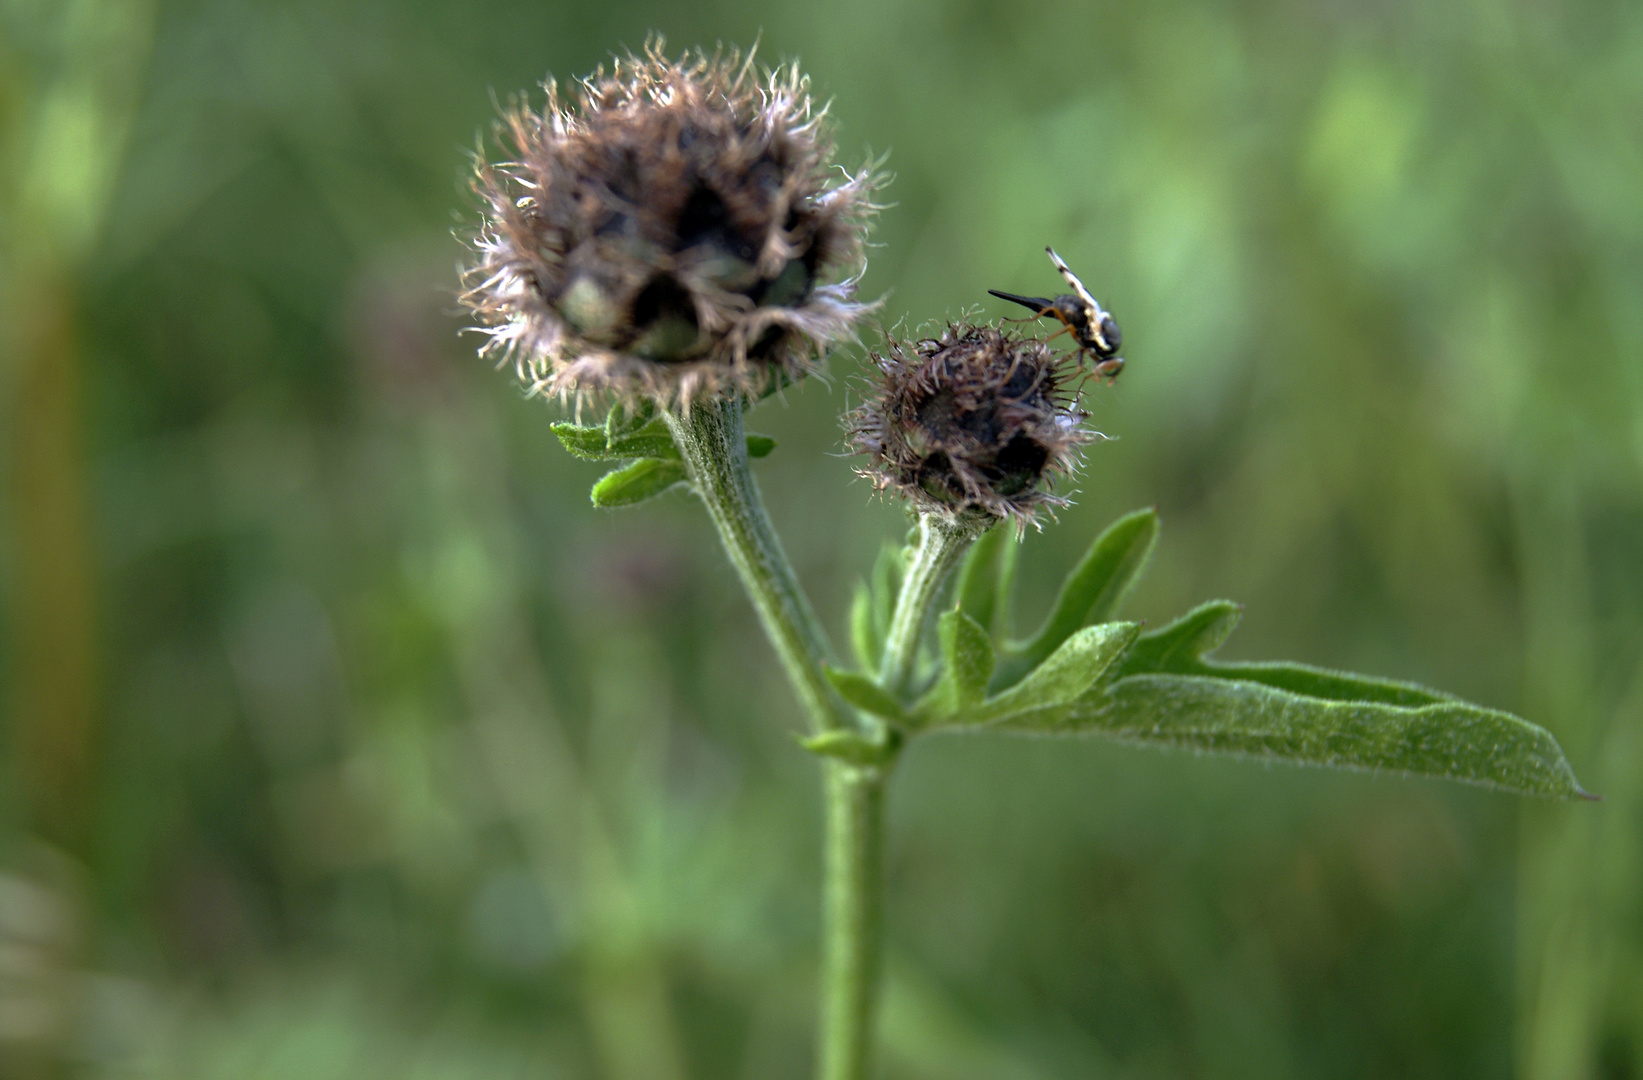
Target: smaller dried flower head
<point>670,235</point>
<point>976,421</point>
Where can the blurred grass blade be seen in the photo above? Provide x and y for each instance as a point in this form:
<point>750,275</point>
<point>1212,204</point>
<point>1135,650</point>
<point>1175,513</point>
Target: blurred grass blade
<point>643,479</point>
<point>1091,593</point>
<point>1448,740</point>
<point>980,579</point>
<point>759,446</point>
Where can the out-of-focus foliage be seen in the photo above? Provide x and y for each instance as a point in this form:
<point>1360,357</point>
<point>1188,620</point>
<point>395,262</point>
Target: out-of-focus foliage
<point>343,738</point>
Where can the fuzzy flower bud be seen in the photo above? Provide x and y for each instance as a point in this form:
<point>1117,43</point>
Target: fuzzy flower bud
<point>978,420</point>
<point>671,235</point>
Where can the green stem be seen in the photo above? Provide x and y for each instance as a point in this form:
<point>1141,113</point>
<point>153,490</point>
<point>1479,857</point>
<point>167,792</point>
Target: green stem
<point>714,446</point>
<point>942,541</point>
<point>853,896</point>
<point>710,438</point>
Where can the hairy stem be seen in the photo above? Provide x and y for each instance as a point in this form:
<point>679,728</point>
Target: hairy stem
<point>942,542</point>
<point>853,900</point>
<point>710,437</point>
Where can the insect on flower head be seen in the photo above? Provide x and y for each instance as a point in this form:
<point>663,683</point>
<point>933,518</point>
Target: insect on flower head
<point>976,421</point>
<point>1081,314</point>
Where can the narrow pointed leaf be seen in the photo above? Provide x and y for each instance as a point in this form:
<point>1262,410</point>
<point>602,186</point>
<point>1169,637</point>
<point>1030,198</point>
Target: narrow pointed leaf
<point>1179,649</point>
<point>981,575</point>
<point>596,444</point>
<point>1329,685</point>
<point>1449,740</point>
<point>967,657</point>
<point>587,443</point>
<point>1179,646</point>
<point>626,419</point>
<point>1092,591</point>
<point>1069,672</point>
<point>887,573</point>
<point>865,638</point>
<point>643,479</point>
<point>759,446</point>
<point>865,694</point>
<point>849,746</point>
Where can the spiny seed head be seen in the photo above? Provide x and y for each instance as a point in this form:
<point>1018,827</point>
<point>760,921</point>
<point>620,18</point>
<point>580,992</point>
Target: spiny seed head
<point>976,421</point>
<point>672,234</point>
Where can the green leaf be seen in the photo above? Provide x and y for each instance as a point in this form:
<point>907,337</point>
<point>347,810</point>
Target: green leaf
<point>1179,649</point>
<point>626,419</point>
<point>1091,593</point>
<point>1450,740</point>
<point>759,446</point>
<point>587,443</point>
<point>865,694</point>
<point>1330,685</point>
<point>597,444</point>
<point>887,574</point>
<point>851,746</point>
<point>1178,646</point>
<point>1069,672</point>
<point>967,656</point>
<point>865,638</point>
<point>981,576</point>
<point>643,479</point>
<point>967,662</point>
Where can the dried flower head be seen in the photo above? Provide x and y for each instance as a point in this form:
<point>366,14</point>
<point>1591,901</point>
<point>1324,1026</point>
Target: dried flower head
<point>978,420</point>
<point>671,235</point>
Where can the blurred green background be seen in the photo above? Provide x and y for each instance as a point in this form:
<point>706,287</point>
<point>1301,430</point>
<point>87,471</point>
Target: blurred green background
<point>344,739</point>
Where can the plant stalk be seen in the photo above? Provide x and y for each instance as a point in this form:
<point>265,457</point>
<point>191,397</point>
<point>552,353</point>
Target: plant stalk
<point>942,542</point>
<point>853,896</point>
<point>711,439</point>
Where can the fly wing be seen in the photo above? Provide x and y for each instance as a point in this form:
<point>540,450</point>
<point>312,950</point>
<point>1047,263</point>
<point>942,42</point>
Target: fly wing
<point>1090,302</point>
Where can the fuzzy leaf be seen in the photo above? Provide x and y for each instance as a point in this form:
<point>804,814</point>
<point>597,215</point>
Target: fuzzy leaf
<point>981,577</point>
<point>887,574</point>
<point>597,444</point>
<point>1329,685</point>
<point>865,694</point>
<point>1091,593</point>
<point>1450,740</point>
<point>967,656</point>
<point>1179,649</point>
<point>1069,672</point>
<point>967,662</point>
<point>1178,646</point>
<point>849,746</point>
<point>625,419</point>
<point>759,446</point>
<point>634,483</point>
<point>865,638</point>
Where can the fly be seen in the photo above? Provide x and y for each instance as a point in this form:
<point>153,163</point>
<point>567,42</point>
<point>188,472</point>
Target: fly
<point>1081,315</point>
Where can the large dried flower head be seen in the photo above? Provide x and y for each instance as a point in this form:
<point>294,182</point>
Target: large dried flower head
<point>976,421</point>
<point>674,233</point>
